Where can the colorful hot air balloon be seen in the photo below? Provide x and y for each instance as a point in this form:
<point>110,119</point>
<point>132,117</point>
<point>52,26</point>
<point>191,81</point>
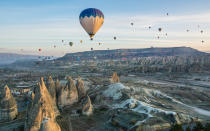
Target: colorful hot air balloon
<point>159,29</point>
<point>91,20</point>
<point>71,43</point>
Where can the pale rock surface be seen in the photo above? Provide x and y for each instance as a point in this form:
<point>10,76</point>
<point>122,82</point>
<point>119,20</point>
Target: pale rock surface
<point>68,95</point>
<point>42,107</point>
<point>115,78</point>
<point>87,108</point>
<point>8,106</point>
<point>49,125</point>
<point>51,88</point>
<point>80,88</point>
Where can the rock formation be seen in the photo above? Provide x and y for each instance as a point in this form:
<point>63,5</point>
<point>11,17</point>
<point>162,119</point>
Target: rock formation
<point>49,125</point>
<point>68,95</point>
<point>41,109</point>
<point>87,108</point>
<point>57,86</point>
<point>80,88</point>
<point>115,78</point>
<point>8,107</point>
<point>51,88</point>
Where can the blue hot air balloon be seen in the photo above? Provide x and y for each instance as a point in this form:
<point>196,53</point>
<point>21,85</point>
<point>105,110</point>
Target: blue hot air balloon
<point>91,20</point>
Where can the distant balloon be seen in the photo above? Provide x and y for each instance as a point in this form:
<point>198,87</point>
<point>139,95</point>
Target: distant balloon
<point>91,20</point>
<point>71,43</point>
<point>115,38</point>
<point>159,29</point>
<point>81,41</point>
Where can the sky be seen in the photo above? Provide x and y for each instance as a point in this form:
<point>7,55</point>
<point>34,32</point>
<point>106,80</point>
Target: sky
<point>27,25</point>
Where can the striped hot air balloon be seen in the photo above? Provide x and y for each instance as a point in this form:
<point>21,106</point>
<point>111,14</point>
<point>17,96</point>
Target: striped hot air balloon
<point>91,20</point>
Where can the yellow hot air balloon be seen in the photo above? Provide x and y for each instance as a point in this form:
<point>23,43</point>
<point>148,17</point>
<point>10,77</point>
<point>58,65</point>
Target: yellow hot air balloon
<point>91,20</point>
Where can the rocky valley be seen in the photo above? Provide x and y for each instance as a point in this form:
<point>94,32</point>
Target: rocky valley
<point>117,90</point>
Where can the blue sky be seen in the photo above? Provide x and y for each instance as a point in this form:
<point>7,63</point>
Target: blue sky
<point>30,25</point>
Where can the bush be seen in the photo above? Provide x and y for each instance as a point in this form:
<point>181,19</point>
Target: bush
<point>198,127</point>
<point>207,127</point>
<point>188,129</point>
<point>176,127</point>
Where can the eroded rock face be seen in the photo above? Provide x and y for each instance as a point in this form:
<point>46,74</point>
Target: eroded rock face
<point>68,95</point>
<point>49,125</point>
<point>87,108</point>
<point>42,107</point>
<point>115,78</point>
<point>8,106</point>
<point>57,86</point>
<point>80,88</point>
<point>51,88</point>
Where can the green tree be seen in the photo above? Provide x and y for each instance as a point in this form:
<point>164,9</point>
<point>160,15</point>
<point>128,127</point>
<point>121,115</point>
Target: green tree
<point>198,127</point>
<point>176,127</point>
<point>188,129</point>
<point>207,127</point>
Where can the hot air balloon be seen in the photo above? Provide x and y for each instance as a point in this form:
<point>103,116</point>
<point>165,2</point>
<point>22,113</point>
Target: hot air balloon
<point>115,38</point>
<point>91,20</point>
<point>81,41</point>
<point>71,43</point>
<point>159,29</point>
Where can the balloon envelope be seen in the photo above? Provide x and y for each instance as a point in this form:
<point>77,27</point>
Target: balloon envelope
<point>91,20</point>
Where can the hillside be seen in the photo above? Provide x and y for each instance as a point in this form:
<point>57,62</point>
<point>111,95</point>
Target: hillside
<point>131,53</point>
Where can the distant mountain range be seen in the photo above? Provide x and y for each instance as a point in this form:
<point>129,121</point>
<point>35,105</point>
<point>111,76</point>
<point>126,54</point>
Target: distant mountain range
<point>8,58</point>
<point>131,53</point>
